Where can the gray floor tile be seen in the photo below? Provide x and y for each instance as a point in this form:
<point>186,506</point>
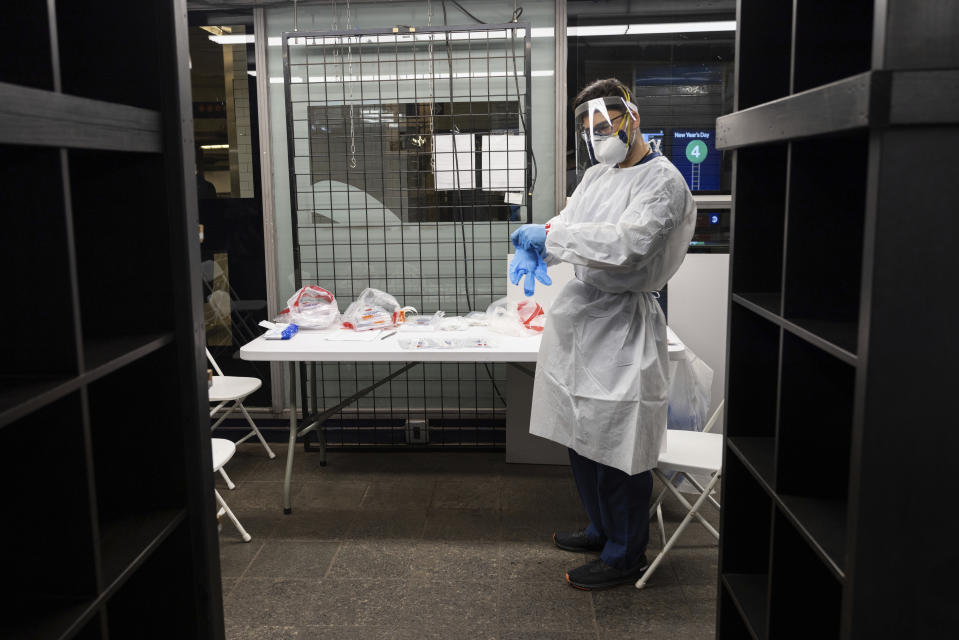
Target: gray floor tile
<point>227,585</point>
<point>583,634</point>
<point>236,555</point>
<point>275,602</point>
<point>702,600</point>
<point>387,525</point>
<point>466,494</point>
<point>259,632</point>
<point>464,525</point>
<point>452,603</point>
<point>373,559</point>
<point>695,566</point>
<point>539,527</point>
<point>537,561</point>
<point>293,559</point>
<point>251,495</point>
<point>399,494</point>
<point>694,536</point>
<point>539,495</point>
<point>259,523</point>
<point>400,569</point>
<point>456,561</point>
<point>310,524</point>
<point>336,495</point>
<point>670,631</point>
<point>627,609</point>
<point>544,606</point>
<point>370,603</point>
<point>425,631</point>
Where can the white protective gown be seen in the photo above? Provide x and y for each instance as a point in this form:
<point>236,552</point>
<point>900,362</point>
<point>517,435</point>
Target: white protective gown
<point>602,375</point>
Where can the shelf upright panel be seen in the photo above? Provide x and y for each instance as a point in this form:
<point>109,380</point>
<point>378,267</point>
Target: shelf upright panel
<point>905,421</point>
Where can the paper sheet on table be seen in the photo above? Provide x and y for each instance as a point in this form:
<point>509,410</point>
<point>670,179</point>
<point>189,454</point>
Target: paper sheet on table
<point>444,167</point>
<point>348,335</point>
<point>504,162</point>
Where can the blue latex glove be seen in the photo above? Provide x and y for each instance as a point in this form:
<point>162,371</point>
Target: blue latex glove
<point>530,236</point>
<point>528,263</point>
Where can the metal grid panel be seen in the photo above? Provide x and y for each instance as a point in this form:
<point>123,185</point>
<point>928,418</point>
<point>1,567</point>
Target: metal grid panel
<point>405,151</point>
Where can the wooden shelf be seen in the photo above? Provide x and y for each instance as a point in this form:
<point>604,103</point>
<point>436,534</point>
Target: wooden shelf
<point>105,355</point>
<point>111,495</point>
<point>750,592</point>
<point>44,617</point>
<point>47,118</point>
<point>838,339</point>
<point>22,395</point>
<point>127,541</point>
<point>759,456</point>
<point>823,524</point>
<point>869,99</point>
<point>767,305</point>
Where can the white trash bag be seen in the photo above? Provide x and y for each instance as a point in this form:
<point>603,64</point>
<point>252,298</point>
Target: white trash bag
<point>690,391</point>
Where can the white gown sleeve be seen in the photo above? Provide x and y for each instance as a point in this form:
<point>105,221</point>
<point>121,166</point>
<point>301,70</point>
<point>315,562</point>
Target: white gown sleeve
<point>624,245</point>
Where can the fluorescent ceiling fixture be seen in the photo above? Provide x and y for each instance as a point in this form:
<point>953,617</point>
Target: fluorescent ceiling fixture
<point>239,38</point>
<point>214,146</point>
<point>417,36</point>
<point>639,29</point>
<point>542,73</point>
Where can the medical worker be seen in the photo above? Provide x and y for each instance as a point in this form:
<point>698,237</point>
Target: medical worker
<point>602,372</point>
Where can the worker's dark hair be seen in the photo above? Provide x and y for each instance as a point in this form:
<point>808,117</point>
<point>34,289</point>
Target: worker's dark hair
<point>606,88</point>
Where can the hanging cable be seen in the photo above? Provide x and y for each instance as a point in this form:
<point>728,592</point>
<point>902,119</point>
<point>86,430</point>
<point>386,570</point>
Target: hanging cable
<point>429,23</point>
<point>349,55</point>
<point>459,195</point>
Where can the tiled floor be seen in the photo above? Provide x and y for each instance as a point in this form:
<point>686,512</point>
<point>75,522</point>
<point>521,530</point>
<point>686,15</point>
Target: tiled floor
<point>436,545</point>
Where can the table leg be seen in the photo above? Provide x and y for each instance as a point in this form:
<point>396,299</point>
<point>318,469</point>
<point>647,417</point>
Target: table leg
<point>288,477</point>
<point>321,430</point>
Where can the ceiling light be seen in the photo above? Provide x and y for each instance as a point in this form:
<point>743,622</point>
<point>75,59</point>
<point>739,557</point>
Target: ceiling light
<point>641,29</point>
<point>238,38</point>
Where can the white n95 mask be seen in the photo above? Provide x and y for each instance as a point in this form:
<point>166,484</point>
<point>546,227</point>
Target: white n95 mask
<point>610,150</point>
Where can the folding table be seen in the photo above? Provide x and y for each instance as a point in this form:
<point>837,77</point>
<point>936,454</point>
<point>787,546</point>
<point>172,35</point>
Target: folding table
<point>315,346</point>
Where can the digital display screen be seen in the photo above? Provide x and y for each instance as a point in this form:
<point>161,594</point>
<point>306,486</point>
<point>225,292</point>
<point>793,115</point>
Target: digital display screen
<point>694,154</point>
<point>655,140</point>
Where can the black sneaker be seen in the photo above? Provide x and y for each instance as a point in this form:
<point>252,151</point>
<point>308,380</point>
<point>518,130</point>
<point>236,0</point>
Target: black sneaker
<point>597,575</point>
<point>576,541</point>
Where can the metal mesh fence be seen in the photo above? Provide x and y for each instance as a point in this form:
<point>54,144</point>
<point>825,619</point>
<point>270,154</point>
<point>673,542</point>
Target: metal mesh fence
<point>408,152</point>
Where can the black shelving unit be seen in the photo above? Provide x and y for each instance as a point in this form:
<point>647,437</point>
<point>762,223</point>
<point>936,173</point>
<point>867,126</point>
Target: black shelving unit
<point>109,528</point>
<point>841,341</point>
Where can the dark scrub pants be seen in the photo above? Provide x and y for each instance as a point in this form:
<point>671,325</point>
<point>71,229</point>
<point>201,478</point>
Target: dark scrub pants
<point>618,508</point>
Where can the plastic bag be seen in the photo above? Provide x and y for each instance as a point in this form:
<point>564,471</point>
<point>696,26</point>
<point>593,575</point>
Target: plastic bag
<point>373,309</point>
<point>438,341</point>
<point>421,323</point>
<point>689,394</point>
<point>525,318</point>
<point>311,307</point>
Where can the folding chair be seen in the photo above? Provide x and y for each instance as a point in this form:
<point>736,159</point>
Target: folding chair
<point>223,450</point>
<point>235,389</point>
<point>687,452</point>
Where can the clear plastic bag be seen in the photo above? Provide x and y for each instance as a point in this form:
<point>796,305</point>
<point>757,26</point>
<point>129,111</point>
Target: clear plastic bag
<point>311,307</point>
<point>438,341</point>
<point>525,318</point>
<point>373,309</point>
<point>421,323</point>
<point>690,391</point>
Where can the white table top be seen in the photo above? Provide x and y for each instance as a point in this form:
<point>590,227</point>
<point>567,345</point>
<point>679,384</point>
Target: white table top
<point>313,346</point>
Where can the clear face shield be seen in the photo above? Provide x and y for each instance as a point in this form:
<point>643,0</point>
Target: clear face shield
<point>604,128</point>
